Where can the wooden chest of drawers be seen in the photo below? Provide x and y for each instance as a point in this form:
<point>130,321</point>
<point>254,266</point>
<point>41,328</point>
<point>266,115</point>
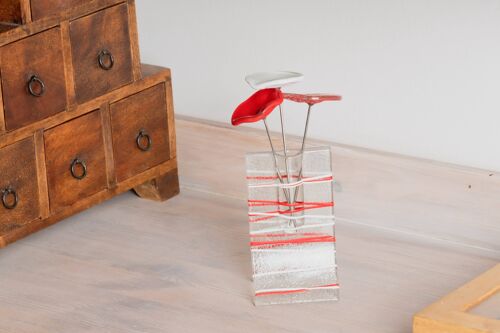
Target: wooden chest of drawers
<point>81,120</point>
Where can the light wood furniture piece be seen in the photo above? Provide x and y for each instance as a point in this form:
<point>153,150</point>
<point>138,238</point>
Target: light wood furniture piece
<point>81,119</point>
<point>453,312</point>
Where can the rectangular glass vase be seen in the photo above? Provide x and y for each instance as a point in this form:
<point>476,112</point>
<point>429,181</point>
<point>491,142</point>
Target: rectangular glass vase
<point>292,227</point>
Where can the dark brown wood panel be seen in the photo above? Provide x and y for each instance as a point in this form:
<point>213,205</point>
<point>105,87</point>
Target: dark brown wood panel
<point>152,76</point>
<point>6,27</point>
<point>101,36</point>
<point>34,61</point>
<point>78,140</point>
<point>18,178</point>
<point>45,8</point>
<point>146,113</point>
<point>10,11</point>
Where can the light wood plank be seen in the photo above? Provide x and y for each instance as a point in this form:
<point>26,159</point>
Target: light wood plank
<point>450,314</point>
<point>134,40</point>
<point>108,145</point>
<point>172,133</point>
<point>2,112</point>
<point>43,189</point>
<point>68,66</point>
<point>131,265</point>
<point>423,198</point>
<point>26,11</point>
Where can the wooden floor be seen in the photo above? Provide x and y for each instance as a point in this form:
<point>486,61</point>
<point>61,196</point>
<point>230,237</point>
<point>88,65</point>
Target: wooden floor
<point>409,231</point>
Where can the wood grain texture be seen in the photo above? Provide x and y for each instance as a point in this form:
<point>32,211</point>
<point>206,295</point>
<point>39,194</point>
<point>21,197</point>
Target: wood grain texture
<point>105,30</point>
<point>489,308</point>
<point>68,67</point>
<point>15,34</point>
<point>108,145</point>
<point>450,314</point>
<point>419,197</point>
<point>153,76</point>
<point>161,188</point>
<point>6,27</point>
<point>26,11</point>
<point>86,135</point>
<point>41,56</point>
<point>10,11</point>
<point>2,115</point>
<point>134,40</point>
<point>45,8</point>
<point>143,112</point>
<point>18,172</point>
<point>130,265</point>
<point>171,119</point>
<point>43,189</point>
<point>16,234</point>
<point>81,139</point>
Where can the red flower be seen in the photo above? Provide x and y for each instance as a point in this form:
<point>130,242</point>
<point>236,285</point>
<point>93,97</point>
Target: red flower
<point>257,107</point>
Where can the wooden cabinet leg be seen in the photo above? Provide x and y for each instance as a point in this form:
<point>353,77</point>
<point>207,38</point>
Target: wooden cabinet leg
<point>161,188</point>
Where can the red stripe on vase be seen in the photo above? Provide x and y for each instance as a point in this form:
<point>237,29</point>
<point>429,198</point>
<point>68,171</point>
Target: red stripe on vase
<point>293,291</point>
<point>296,241</point>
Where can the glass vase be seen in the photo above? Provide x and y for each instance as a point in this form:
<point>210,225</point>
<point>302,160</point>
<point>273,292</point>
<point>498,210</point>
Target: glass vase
<point>292,226</point>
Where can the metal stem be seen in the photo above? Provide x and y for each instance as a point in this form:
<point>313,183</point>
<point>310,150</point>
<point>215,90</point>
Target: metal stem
<point>276,166</point>
<point>291,203</point>
<point>285,150</point>
<point>302,150</point>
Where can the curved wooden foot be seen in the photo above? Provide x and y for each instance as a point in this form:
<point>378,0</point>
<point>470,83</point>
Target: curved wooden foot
<point>161,188</point>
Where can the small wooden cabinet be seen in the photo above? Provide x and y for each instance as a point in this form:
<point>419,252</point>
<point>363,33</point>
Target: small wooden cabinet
<point>81,120</point>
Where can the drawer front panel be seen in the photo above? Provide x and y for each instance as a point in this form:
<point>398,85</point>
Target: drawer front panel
<point>102,58</point>
<point>33,80</point>
<point>10,11</point>
<point>19,198</point>
<point>75,160</point>
<point>45,8</point>
<point>140,132</point>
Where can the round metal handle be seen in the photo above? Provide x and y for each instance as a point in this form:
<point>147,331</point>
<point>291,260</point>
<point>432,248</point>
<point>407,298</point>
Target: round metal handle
<point>144,137</point>
<point>6,193</point>
<point>78,162</point>
<point>106,60</point>
<point>36,87</point>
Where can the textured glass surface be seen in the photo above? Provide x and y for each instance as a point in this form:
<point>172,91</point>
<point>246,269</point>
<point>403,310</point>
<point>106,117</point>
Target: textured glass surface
<point>292,231</point>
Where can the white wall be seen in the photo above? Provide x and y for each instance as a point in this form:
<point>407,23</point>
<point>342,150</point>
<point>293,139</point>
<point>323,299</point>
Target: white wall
<point>419,77</point>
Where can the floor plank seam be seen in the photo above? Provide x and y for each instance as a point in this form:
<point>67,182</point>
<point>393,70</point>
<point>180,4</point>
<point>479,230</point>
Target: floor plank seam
<point>443,241</point>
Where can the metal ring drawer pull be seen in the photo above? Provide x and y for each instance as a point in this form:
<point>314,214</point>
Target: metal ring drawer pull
<point>78,162</point>
<point>143,135</point>
<point>32,83</point>
<point>103,56</point>
<point>5,198</point>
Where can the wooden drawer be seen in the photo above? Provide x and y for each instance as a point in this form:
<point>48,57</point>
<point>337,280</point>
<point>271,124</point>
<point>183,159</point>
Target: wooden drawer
<point>19,197</point>
<point>33,80</point>
<point>101,49</point>
<point>75,160</point>
<point>10,11</point>
<point>140,132</point>
<point>45,8</point>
